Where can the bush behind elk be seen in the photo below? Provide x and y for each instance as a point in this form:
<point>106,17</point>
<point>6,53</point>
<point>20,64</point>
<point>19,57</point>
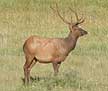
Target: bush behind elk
<point>51,50</point>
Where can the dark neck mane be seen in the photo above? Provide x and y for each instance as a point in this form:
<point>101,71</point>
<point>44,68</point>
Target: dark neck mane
<point>71,41</point>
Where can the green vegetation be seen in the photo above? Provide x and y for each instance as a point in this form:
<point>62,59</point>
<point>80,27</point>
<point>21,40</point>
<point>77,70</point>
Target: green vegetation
<point>85,69</point>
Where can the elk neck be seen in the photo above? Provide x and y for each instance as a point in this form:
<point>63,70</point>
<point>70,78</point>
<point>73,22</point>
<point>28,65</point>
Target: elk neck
<point>71,40</point>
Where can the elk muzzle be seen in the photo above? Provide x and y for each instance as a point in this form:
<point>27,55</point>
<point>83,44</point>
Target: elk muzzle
<point>83,32</point>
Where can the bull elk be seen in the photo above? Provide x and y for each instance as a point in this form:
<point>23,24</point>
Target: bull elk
<point>51,50</point>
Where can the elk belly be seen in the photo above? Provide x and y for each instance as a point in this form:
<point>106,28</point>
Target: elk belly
<point>44,58</point>
<point>58,59</point>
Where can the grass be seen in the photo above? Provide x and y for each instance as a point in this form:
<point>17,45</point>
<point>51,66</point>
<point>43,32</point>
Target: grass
<point>85,69</point>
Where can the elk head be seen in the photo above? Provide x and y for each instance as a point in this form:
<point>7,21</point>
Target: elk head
<point>73,26</point>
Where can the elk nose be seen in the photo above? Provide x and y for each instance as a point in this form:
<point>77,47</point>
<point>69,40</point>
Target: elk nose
<point>85,32</point>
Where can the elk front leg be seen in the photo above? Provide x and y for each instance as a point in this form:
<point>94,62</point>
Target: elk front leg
<point>56,66</point>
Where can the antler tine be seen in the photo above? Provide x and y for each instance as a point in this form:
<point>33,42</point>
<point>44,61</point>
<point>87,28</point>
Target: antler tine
<point>74,13</point>
<point>52,8</point>
<point>64,20</point>
<point>82,20</point>
<point>71,20</point>
<point>79,21</point>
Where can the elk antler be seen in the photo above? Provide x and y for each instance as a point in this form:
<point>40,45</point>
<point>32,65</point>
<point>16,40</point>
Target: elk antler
<point>79,20</point>
<point>64,20</point>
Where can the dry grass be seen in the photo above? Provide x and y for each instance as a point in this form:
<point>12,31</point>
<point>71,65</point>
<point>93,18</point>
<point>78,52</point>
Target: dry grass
<point>85,69</point>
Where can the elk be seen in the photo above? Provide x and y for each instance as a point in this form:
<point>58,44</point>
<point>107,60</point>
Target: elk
<point>51,50</point>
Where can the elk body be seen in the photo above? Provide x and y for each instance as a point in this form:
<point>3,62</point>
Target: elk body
<point>51,50</point>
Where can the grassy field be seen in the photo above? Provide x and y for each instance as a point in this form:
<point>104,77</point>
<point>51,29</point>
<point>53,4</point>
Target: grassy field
<point>85,69</point>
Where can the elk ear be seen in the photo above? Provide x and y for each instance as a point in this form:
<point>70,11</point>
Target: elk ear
<point>74,25</point>
<point>71,28</point>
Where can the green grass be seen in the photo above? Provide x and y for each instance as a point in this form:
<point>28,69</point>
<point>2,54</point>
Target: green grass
<point>85,69</point>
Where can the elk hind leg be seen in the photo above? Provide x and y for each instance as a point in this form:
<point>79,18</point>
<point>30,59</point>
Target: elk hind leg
<point>33,63</point>
<point>27,67</point>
